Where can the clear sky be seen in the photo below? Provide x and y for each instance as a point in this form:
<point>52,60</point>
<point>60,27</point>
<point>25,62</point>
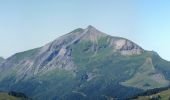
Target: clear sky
<point>27,24</point>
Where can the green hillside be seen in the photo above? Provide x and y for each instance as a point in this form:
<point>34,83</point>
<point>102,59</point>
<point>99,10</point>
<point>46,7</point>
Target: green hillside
<point>6,96</point>
<point>164,95</point>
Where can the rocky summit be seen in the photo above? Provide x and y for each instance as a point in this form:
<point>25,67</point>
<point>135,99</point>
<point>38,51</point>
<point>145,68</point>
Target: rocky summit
<point>84,64</point>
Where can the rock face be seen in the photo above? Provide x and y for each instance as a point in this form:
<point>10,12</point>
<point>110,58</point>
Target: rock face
<point>127,47</point>
<point>84,64</point>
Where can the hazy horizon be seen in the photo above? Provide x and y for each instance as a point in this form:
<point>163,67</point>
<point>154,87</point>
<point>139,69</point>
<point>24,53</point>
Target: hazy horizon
<point>30,24</point>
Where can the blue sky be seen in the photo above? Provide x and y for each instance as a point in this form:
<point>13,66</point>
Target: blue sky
<point>27,24</point>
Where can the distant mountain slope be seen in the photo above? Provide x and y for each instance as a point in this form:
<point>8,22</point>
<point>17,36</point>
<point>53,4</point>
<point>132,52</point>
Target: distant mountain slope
<point>1,59</point>
<point>84,64</point>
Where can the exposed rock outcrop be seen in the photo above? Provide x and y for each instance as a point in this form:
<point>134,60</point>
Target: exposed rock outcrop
<point>127,47</point>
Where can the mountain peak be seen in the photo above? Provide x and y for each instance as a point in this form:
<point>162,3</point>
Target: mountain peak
<point>90,27</point>
<point>92,34</point>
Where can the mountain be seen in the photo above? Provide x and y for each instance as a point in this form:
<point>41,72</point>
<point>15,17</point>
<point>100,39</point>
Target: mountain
<point>84,64</point>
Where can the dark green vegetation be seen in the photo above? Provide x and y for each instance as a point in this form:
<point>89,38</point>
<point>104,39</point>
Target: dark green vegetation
<point>162,95</point>
<point>13,96</point>
<point>84,65</point>
<point>154,94</point>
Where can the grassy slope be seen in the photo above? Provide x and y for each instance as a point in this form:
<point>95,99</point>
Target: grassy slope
<point>26,54</point>
<point>14,60</point>
<point>5,96</point>
<point>165,95</point>
<point>147,77</point>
